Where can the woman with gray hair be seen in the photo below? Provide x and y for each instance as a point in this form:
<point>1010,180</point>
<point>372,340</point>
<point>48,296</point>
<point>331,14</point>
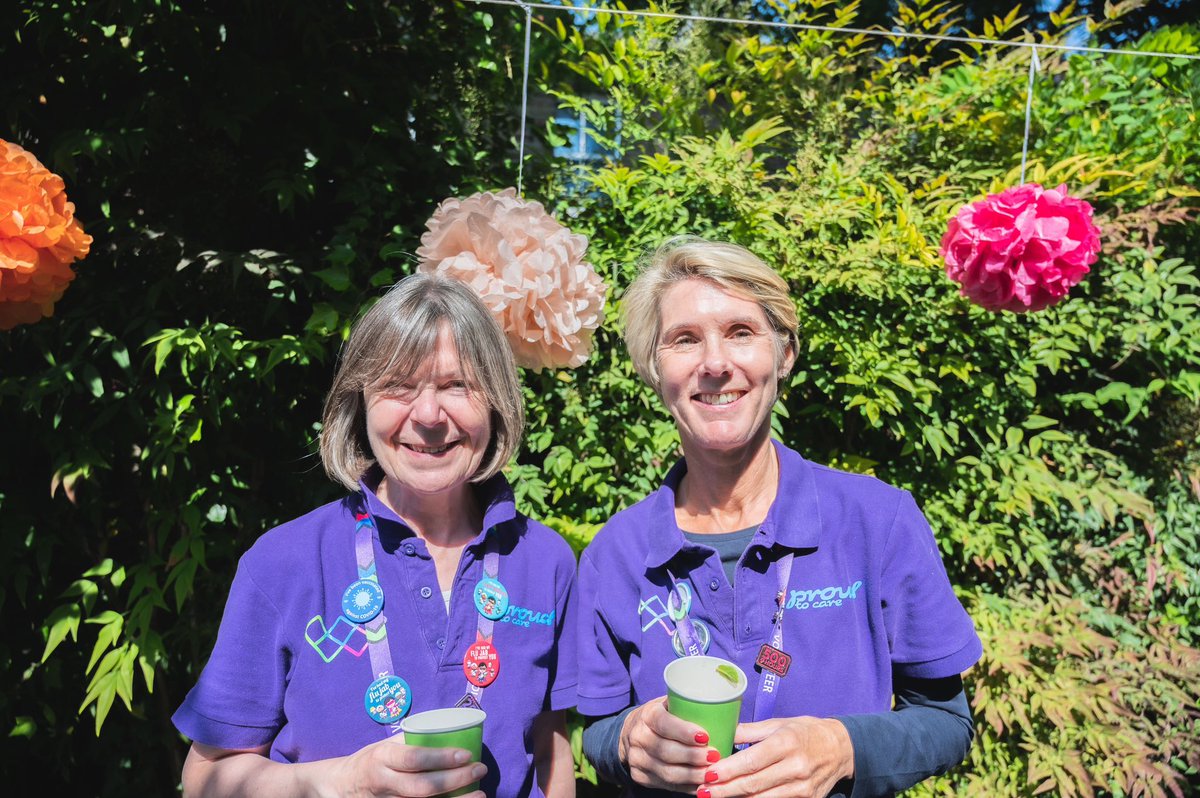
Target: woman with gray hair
<point>825,588</point>
<point>423,589</point>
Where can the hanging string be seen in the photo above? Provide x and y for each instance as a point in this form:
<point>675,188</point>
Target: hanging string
<point>766,23</point>
<point>524,98</point>
<point>1034,66</point>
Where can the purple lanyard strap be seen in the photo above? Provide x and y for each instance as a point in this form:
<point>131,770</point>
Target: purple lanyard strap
<point>484,624</point>
<point>375,629</point>
<point>378,650</point>
<point>768,681</point>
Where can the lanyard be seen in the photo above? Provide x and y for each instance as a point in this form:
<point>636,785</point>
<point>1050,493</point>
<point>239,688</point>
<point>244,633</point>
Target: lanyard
<point>679,604</point>
<point>376,629</point>
<point>692,645</point>
<point>768,680</point>
<point>481,655</point>
<point>485,624</point>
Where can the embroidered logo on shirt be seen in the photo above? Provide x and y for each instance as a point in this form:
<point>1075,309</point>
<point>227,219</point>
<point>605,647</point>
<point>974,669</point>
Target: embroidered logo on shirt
<point>333,640</point>
<point>520,616</point>
<point>820,597</point>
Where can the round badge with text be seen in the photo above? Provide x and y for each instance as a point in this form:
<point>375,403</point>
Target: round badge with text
<point>491,598</point>
<point>362,601</point>
<point>703,639</point>
<point>481,664</point>
<point>387,699</point>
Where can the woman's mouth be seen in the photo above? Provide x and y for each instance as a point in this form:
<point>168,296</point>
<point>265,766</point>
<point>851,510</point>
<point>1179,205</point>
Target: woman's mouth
<point>717,399</point>
<point>420,448</point>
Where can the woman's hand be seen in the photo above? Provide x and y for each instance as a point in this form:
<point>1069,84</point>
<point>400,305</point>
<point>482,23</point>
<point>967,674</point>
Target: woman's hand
<point>391,768</point>
<point>386,768</point>
<point>791,758</point>
<point>663,751</point>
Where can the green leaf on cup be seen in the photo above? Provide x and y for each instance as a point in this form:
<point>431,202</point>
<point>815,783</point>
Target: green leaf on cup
<point>729,673</point>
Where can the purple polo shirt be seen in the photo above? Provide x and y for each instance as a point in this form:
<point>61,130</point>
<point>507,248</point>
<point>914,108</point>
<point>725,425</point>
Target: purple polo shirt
<point>867,597</point>
<point>276,678</point>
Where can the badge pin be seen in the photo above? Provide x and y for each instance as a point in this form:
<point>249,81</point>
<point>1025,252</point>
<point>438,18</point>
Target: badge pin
<point>679,601</point>
<point>491,598</point>
<point>481,664</point>
<point>773,660</point>
<point>387,699</point>
<point>703,639</point>
<point>362,601</point>
<point>469,702</point>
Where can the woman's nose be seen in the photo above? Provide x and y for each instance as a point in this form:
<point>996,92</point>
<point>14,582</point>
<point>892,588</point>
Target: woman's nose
<point>427,410</point>
<point>715,357</point>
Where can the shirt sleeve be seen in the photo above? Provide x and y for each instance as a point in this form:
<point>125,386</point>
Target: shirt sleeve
<point>603,674</point>
<point>928,732</point>
<point>238,701</point>
<point>562,692</point>
<point>602,747</point>
<point>930,634</point>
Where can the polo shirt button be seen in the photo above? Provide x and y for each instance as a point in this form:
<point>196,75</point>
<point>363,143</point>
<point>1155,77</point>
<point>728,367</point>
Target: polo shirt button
<point>441,643</point>
<point>426,592</point>
<point>747,628</point>
<point>410,549</point>
<point>713,585</point>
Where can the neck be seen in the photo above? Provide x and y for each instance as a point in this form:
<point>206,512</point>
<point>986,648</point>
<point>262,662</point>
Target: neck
<point>444,520</point>
<point>725,491</point>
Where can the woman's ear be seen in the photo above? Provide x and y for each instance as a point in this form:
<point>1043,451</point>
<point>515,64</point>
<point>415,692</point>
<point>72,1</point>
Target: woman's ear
<point>789,358</point>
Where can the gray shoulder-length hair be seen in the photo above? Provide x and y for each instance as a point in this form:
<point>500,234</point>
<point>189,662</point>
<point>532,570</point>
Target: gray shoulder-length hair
<point>734,268</point>
<point>391,342</point>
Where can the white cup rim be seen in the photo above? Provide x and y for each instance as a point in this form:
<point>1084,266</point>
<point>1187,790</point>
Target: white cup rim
<point>443,721</point>
<point>684,662</point>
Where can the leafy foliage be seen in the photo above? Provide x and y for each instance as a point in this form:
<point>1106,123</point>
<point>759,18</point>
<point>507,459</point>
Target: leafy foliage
<point>251,178</point>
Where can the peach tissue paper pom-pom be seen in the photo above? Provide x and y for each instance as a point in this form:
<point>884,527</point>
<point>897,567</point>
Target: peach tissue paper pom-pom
<point>1022,249</point>
<point>527,268</point>
<point>39,238</point>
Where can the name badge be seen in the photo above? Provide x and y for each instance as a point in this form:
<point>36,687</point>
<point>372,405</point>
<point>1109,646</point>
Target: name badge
<point>773,660</point>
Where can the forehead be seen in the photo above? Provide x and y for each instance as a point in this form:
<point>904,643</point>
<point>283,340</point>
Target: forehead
<point>434,357</point>
<point>699,301</point>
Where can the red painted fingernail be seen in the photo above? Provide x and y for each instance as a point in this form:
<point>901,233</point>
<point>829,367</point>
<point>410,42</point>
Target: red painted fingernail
<point>714,755</point>
<point>710,777</point>
<point>703,793</point>
<point>702,738</point>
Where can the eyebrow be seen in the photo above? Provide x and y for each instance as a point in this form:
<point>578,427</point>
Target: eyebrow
<point>748,321</point>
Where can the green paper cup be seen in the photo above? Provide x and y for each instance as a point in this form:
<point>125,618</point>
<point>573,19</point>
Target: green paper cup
<point>456,727</point>
<point>708,692</point>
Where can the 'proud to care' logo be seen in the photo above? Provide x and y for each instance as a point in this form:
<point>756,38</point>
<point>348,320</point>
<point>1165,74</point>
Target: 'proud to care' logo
<point>817,598</point>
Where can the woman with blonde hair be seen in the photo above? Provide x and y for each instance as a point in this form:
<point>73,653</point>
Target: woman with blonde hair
<point>825,587</point>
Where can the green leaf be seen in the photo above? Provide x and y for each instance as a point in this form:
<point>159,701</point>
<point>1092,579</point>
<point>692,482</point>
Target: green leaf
<point>62,622</point>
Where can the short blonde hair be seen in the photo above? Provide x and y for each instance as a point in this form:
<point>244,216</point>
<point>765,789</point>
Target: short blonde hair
<point>735,269</point>
<point>391,341</point>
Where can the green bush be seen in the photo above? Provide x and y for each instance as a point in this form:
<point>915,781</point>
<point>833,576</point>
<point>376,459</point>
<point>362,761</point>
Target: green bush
<point>245,205</point>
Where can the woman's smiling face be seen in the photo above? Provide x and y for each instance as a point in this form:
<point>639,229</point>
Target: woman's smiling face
<point>429,433</point>
<point>719,365</point>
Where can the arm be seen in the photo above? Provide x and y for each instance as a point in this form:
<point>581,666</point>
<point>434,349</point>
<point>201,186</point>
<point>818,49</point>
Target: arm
<point>927,733</point>
<point>553,763</point>
<point>385,768</point>
<point>601,745</point>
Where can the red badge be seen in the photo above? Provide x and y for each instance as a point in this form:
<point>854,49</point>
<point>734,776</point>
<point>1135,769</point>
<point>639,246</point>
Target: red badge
<point>481,663</point>
<point>773,660</point>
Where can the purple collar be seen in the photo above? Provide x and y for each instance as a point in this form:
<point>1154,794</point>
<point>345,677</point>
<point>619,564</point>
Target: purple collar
<point>494,494</point>
<point>793,521</point>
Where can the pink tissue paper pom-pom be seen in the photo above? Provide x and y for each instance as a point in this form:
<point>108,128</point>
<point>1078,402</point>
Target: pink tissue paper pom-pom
<point>527,268</point>
<point>1021,249</point>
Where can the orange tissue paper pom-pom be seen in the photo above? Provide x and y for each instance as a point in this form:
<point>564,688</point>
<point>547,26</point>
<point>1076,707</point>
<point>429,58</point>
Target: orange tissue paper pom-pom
<point>39,238</point>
